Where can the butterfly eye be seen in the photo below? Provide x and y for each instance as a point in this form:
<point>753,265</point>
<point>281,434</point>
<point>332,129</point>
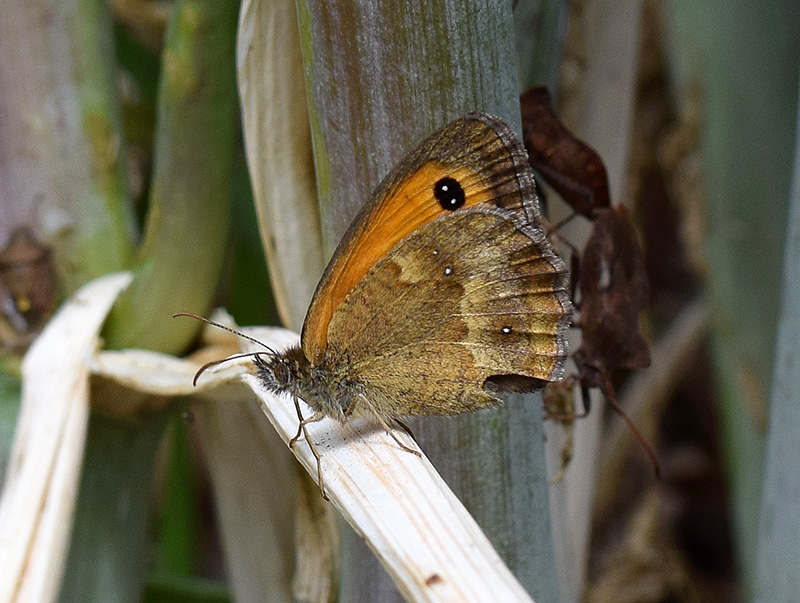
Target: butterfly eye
<point>449,194</point>
<point>282,373</point>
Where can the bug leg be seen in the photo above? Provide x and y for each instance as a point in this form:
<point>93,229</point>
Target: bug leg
<point>586,398</point>
<point>611,397</point>
<point>301,427</point>
<point>574,261</point>
<point>388,429</point>
<point>554,228</point>
<point>405,428</point>
<point>315,452</point>
<point>301,430</point>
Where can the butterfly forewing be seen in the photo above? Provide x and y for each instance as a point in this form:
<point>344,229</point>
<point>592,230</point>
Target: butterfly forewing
<point>477,151</point>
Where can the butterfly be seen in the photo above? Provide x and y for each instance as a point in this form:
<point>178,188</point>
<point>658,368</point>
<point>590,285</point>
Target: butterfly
<point>442,294</point>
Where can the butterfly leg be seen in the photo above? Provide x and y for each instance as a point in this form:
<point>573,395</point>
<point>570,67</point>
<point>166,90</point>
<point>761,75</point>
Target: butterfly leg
<point>301,430</point>
<point>317,456</point>
<point>388,429</point>
<point>302,422</point>
<point>405,428</point>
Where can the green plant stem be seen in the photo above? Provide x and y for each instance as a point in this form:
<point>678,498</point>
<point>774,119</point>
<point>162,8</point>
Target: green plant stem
<point>179,522</point>
<point>539,27</point>
<point>10,391</point>
<point>749,97</point>
<point>182,254</point>
<point>177,269</point>
<point>383,76</point>
<point>778,579</point>
<point>61,148</point>
<point>109,549</point>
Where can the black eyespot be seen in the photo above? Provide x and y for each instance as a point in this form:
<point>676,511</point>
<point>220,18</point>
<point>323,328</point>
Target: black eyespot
<point>448,271</point>
<point>506,330</point>
<point>449,194</point>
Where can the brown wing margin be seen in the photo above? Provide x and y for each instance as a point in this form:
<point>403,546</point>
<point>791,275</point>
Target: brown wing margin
<point>480,151</point>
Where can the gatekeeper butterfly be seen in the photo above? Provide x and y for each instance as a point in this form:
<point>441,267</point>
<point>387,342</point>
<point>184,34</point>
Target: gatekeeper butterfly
<point>443,293</point>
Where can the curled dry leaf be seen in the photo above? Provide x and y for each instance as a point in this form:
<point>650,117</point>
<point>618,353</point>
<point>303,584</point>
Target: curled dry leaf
<point>614,291</point>
<point>573,168</point>
<point>38,498</point>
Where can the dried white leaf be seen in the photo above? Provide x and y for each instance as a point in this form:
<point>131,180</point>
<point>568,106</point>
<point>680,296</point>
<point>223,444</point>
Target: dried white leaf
<point>38,500</point>
<point>278,143</point>
<point>396,501</point>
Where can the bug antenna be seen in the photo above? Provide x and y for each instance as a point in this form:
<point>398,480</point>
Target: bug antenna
<point>208,365</point>
<point>611,398</point>
<point>224,328</point>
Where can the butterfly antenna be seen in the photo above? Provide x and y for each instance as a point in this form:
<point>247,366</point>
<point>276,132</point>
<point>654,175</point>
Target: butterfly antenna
<point>208,365</point>
<point>224,328</point>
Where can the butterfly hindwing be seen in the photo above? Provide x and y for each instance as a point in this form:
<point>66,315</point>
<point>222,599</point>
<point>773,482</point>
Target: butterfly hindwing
<point>467,297</point>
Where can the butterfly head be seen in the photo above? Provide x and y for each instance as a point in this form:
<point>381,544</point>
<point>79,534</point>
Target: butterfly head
<point>325,391</point>
<point>283,372</point>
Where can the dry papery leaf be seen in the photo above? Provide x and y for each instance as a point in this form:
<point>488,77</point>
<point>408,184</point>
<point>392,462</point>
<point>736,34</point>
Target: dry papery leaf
<point>38,498</point>
<point>395,500</point>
